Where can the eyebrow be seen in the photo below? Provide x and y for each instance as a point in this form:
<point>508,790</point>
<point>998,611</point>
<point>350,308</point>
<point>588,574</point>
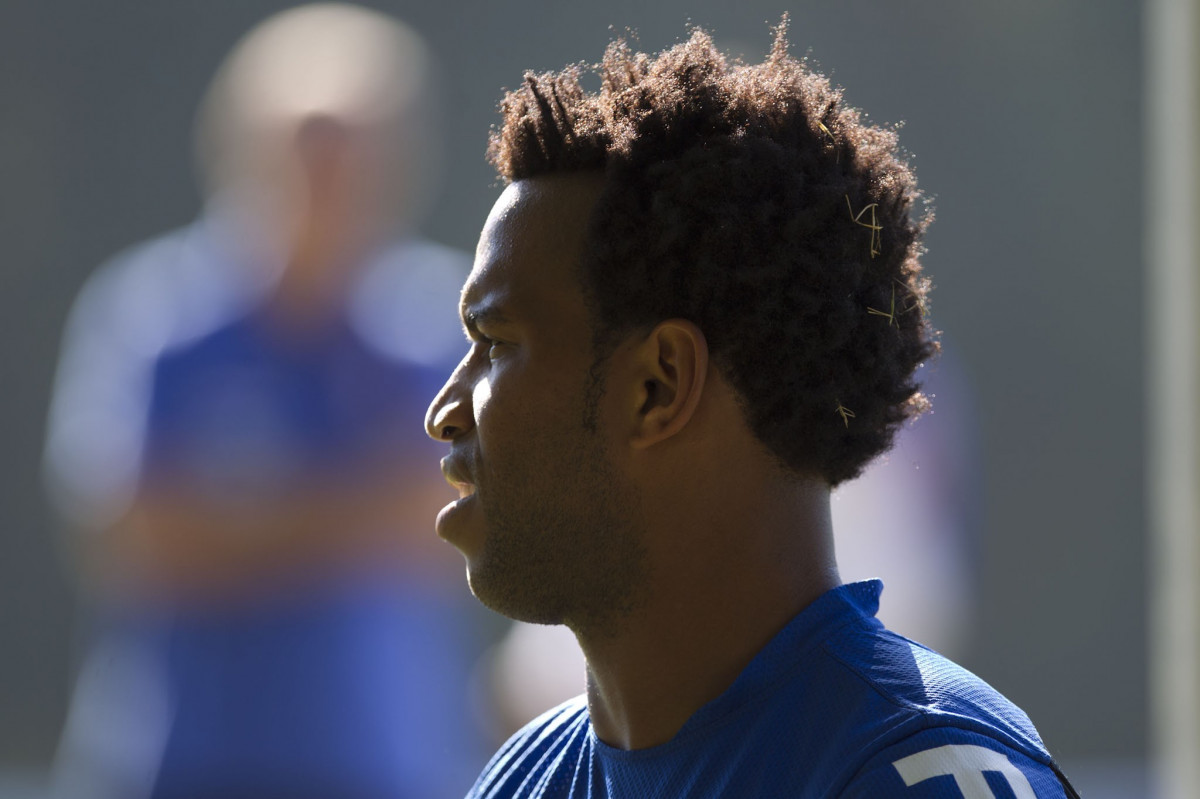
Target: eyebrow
<point>483,314</point>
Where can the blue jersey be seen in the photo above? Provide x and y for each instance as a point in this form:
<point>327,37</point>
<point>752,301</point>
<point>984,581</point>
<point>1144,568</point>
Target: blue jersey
<point>348,685</point>
<point>241,415</point>
<point>834,706</point>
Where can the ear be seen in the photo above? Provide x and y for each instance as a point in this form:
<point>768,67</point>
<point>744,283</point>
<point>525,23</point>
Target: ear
<point>671,364</point>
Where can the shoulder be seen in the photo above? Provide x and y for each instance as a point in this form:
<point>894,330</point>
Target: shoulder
<point>132,279</point>
<point>405,302</point>
<point>953,763</point>
<point>153,293</point>
<point>537,754</point>
<point>928,687</point>
<point>928,727</point>
<point>128,312</point>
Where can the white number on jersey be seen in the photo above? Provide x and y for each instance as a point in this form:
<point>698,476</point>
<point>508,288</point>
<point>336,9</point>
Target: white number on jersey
<point>966,764</point>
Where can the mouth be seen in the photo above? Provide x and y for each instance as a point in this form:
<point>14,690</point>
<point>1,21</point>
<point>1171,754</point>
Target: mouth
<point>458,522</point>
<point>457,477</point>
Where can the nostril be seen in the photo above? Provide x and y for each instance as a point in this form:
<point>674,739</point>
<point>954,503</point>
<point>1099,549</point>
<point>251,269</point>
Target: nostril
<point>448,419</point>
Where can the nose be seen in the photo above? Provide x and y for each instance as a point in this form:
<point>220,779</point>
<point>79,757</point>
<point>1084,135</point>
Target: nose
<point>450,414</point>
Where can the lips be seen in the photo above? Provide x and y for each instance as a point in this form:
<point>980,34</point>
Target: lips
<point>458,522</point>
<point>458,476</point>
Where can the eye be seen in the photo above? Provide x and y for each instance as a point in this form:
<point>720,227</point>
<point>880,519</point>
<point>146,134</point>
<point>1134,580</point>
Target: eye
<point>488,344</point>
<point>492,345</point>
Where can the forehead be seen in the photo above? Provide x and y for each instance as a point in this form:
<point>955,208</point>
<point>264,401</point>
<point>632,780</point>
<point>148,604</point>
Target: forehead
<point>531,244</point>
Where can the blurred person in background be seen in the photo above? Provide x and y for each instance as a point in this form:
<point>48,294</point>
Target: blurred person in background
<point>236,434</point>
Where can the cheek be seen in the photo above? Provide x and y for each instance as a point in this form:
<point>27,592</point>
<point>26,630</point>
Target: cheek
<point>481,396</point>
<point>500,425</point>
<point>523,415</point>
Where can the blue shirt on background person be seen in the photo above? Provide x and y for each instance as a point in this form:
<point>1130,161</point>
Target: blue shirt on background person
<point>235,437</point>
<point>346,680</point>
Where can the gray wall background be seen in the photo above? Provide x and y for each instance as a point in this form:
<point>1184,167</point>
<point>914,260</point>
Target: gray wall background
<point>1024,117</point>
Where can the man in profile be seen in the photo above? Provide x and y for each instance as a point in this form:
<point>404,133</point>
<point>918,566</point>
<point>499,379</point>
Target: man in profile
<point>696,308</point>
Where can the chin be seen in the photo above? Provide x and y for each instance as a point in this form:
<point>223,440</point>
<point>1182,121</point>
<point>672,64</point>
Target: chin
<point>520,599</point>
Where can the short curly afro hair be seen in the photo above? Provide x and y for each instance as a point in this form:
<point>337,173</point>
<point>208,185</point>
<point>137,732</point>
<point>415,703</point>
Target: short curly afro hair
<point>750,200</point>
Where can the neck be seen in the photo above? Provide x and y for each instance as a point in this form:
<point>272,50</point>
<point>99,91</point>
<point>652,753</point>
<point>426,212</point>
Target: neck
<point>319,267</point>
<point>723,587</point>
<point>296,310</point>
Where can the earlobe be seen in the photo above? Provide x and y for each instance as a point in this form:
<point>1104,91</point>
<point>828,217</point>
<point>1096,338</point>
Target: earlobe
<point>674,362</point>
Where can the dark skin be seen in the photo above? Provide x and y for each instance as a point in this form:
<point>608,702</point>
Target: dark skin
<point>730,546</point>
